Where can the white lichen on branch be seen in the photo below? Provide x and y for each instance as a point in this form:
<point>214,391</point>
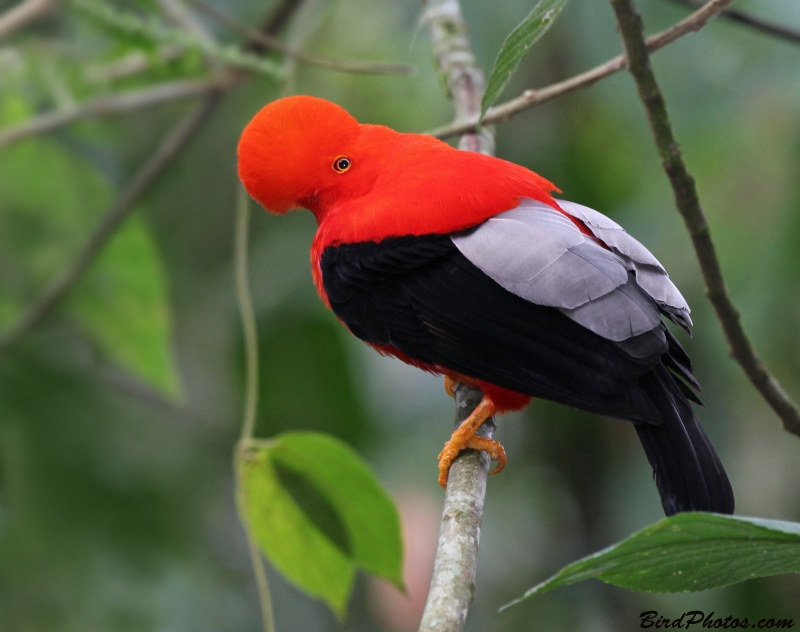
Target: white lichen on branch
<point>459,69</point>
<point>453,582</point>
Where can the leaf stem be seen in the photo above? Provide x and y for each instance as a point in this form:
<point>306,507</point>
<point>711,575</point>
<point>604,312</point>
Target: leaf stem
<point>240,249</point>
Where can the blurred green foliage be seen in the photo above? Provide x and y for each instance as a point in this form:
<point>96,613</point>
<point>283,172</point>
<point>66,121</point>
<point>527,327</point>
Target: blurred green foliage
<point>116,502</point>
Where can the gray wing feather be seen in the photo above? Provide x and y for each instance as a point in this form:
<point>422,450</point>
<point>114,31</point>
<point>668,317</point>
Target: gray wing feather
<point>619,315</point>
<point>537,253</point>
<point>650,274</point>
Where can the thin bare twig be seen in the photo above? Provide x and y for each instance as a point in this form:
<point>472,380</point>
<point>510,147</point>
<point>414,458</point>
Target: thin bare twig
<point>117,103</point>
<point>279,18</point>
<point>21,14</point>
<point>530,98</point>
<point>269,42</point>
<point>453,582</point>
<point>113,218</point>
<point>180,15</point>
<point>688,203</point>
<point>753,21</point>
<point>132,63</point>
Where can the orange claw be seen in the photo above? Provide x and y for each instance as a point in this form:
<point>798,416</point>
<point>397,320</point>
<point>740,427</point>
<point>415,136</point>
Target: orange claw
<point>464,437</point>
<point>493,448</point>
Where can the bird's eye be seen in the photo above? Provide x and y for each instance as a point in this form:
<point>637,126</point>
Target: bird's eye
<point>341,164</point>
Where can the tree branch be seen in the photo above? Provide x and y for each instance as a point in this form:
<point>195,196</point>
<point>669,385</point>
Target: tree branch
<point>453,582</point>
<point>753,21</point>
<point>269,42</point>
<point>113,218</point>
<point>117,103</point>
<point>462,75</point>
<point>20,14</point>
<point>688,203</point>
<point>530,98</point>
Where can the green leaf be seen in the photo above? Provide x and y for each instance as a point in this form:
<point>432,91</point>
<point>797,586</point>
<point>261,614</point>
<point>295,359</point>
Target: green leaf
<point>123,303</point>
<point>517,45</point>
<point>318,513</point>
<point>689,552</point>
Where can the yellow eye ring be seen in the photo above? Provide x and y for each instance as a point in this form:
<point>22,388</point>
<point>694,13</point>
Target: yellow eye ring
<point>341,164</point>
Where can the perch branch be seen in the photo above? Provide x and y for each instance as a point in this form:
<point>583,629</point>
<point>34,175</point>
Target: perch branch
<point>453,582</point>
<point>753,21</point>
<point>530,98</point>
<point>110,222</point>
<point>688,203</point>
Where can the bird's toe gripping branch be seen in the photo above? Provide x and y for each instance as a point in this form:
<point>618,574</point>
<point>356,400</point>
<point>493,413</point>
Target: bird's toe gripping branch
<point>452,380</point>
<point>464,437</point>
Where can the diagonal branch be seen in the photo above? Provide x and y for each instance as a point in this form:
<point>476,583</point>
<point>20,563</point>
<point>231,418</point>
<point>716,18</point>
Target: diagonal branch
<point>20,14</point>
<point>110,222</point>
<point>117,103</point>
<point>753,21</point>
<point>688,202</point>
<point>453,582</point>
<point>530,98</point>
<point>269,42</point>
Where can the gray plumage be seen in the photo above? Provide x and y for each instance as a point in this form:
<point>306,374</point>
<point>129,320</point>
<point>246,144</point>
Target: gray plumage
<point>650,274</point>
<point>539,254</point>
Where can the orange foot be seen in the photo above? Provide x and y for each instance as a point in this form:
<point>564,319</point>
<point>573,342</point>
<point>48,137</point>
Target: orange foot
<point>450,382</point>
<point>464,437</point>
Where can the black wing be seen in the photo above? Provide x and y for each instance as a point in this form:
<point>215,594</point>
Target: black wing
<point>422,296</point>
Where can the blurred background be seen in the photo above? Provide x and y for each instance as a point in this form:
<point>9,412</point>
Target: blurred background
<point>119,409</point>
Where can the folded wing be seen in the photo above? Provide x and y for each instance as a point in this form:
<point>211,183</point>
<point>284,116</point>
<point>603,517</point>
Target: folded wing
<point>608,282</point>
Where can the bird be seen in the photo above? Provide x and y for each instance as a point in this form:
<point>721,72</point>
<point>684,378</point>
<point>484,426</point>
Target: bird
<point>465,265</point>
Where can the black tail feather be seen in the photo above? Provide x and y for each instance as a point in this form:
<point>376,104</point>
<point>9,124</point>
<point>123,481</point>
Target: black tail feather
<point>687,470</point>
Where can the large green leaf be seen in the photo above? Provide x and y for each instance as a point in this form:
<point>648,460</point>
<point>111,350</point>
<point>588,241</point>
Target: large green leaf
<point>123,302</point>
<point>318,513</point>
<point>517,45</point>
<point>689,552</point>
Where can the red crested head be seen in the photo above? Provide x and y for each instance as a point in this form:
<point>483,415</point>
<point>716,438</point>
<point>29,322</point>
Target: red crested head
<point>369,182</point>
<point>297,149</point>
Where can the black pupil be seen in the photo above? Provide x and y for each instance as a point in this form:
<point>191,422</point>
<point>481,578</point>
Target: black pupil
<point>342,164</point>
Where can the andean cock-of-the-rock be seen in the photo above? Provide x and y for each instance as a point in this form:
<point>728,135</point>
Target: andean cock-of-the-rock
<point>464,265</point>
